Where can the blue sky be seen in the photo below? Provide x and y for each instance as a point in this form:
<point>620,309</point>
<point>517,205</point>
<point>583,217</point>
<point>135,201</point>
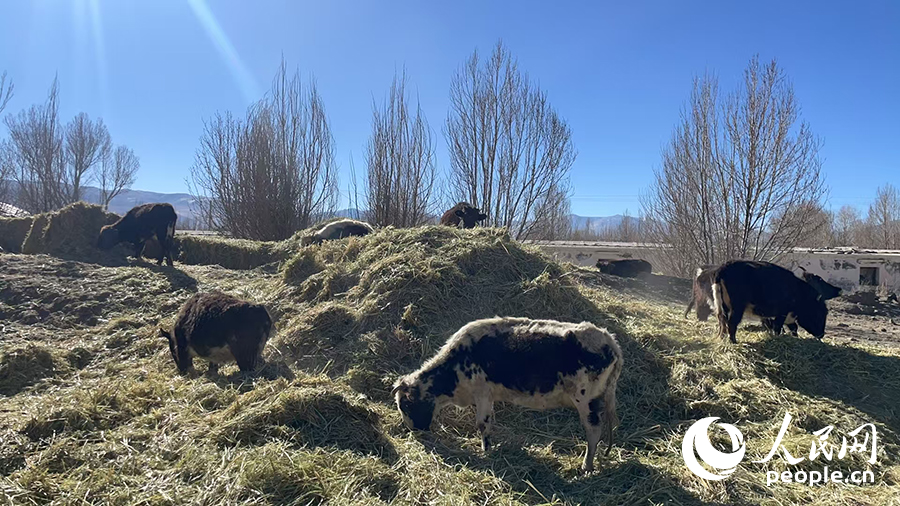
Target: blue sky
<point>617,71</point>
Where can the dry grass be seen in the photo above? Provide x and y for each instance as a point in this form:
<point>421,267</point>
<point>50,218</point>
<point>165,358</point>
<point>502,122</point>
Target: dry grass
<point>13,232</point>
<point>98,415</point>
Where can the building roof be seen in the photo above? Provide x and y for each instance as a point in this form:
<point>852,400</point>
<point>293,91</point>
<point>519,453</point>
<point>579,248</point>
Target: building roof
<point>11,211</point>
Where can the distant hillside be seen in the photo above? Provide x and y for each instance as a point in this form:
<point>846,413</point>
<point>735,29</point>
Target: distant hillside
<point>184,206</point>
<point>599,224</point>
<point>182,202</point>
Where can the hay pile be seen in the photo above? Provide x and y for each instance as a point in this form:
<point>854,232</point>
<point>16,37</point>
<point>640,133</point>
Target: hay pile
<point>13,232</point>
<point>229,253</point>
<point>404,291</point>
<point>69,233</point>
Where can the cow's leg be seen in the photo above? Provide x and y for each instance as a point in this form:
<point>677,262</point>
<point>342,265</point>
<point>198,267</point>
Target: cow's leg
<point>792,327</point>
<point>166,237</point>
<point>775,326</point>
<point>138,249</point>
<point>213,369</point>
<point>484,419</point>
<point>734,319</point>
<point>591,414</point>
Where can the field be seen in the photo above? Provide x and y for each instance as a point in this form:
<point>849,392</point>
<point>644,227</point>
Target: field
<point>92,410</point>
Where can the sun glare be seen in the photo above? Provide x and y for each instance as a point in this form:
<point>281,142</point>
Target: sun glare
<point>239,72</point>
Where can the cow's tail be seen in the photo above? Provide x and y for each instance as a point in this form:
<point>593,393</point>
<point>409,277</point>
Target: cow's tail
<point>609,402</point>
<point>690,305</point>
<point>720,302</point>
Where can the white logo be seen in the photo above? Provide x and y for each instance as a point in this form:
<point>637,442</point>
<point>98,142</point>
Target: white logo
<point>697,439</point>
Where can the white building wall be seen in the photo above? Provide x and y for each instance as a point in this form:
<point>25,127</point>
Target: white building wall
<point>840,267</point>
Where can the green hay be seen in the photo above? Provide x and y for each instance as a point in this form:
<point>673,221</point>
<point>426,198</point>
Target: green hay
<point>70,232</point>
<point>13,232</point>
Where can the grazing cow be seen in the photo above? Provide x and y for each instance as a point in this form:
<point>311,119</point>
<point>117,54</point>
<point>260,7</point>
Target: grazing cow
<point>463,212</point>
<point>701,292</point>
<point>338,229</point>
<point>703,299</point>
<point>629,268</point>
<point>219,328</point>
<point>140,224</point>
<point>766,290</point>
<point>541,364</point>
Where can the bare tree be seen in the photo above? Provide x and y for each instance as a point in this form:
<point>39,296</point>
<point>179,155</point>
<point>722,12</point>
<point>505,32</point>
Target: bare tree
<point>6,150</point>
<point>884,218</point>
<point>87,145</point>
<point>117,172</point>
<point>554,216</point>
<point>6,91</point>
<point>738,177</point>
<point>846,226</point>
<point>508,147</point>
<point>37,155</point>
<point>272,173</point>
<point>400,162</point>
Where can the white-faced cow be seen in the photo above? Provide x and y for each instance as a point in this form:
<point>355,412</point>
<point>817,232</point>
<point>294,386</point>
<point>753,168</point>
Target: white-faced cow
<point>139,225</point>
<point>767,291</point>
<point>219,328</point>
<point>627,268</point>
<point>701,292</point>
<point>464,213</point>
<point>338,229</point>
<point>541,364</point>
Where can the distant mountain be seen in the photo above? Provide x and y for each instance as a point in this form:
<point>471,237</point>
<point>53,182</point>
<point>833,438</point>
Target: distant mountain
<point>599,224</point>
<point>184,206</point>
<point>182,202</point>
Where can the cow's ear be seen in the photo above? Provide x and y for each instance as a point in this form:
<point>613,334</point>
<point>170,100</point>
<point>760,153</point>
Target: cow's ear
<point>165,333</point>
<point>460,213</point>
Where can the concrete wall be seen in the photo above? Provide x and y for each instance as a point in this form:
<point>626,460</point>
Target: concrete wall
<point>843,269</point>
<point>586,254</point>
<point>838,267</point>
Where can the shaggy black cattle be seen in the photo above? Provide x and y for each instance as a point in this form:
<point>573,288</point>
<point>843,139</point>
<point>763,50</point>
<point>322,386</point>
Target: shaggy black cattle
<point>702,296</point>
<point>628,268</point>
<point>338,230</point>
<point>541,364</point>
<point>219,328</point>
<point>464,213</point>
<point>768,291</point>
<point>139,225</point>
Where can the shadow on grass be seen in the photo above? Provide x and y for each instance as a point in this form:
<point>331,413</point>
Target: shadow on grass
<point>868,382</point>
<point>539,480</point>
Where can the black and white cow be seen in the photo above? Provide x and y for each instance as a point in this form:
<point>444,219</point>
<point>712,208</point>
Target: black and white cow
<point>338,229</point>
<point>219,328</point>
<point>540,364</point>
<point>702,296</point>
<point>767,291</point>
<point>139,225</point>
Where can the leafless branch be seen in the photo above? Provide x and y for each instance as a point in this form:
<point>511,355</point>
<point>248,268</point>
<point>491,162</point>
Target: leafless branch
<point>508,148</point>
<point>740,178</point>
<point>400,162</point>
<point>272,173</point>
